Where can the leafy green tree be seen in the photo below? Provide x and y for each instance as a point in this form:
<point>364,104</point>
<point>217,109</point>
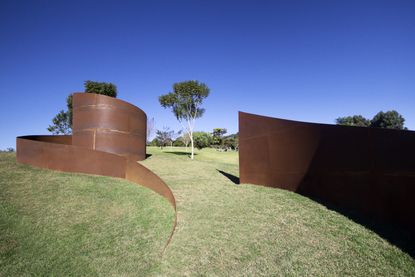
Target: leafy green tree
<point>103,88</point>
<point>218,135</point>
<point>62,122</point>
<point>69,111</point>
<point>355,120</point>
<point>202,139</point>
<point>185,102</point>
<point>390,120</point>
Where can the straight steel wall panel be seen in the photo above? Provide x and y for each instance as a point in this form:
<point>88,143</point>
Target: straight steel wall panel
<point>368,170</point>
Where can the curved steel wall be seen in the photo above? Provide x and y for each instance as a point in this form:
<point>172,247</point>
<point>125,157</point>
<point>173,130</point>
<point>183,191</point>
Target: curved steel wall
<point>107,124</point>
<point>368,170</point>
<point>109,137</point>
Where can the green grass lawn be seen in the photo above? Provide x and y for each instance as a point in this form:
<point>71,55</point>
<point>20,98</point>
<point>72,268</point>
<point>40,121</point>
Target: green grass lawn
<point>61,224</point>
<point>57,223</point>
<point>247,230</point>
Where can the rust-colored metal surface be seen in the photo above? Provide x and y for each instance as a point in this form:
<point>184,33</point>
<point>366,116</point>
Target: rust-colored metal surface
<point>109,136</point>
<point>107,124</point>
<point>367,170</point>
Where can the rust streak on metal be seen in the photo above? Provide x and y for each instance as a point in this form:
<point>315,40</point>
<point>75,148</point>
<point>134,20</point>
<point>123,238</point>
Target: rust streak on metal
<point>94,139</point>
<point>108,130</point>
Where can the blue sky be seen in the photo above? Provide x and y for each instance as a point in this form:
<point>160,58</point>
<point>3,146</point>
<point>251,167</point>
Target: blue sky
<point>302,60</point>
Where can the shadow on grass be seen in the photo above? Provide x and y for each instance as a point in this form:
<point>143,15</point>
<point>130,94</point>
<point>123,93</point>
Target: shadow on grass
<point>396,235</point>
<point>179,153</point>
<point>148,155</point>
<point>231,177</point>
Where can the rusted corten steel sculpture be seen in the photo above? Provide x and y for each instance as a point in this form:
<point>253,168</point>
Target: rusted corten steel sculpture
<point>367,170</point>
<point>109,136</point>
<point>110,125</point>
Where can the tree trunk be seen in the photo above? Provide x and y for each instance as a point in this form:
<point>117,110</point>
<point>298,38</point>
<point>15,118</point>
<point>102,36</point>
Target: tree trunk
<point>193,148</point>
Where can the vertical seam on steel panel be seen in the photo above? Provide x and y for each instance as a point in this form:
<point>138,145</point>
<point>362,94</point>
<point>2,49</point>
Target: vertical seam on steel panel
<point>95,136</point>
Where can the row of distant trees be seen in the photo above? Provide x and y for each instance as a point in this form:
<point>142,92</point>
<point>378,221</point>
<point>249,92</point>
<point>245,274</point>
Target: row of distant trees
<point>215,139</point>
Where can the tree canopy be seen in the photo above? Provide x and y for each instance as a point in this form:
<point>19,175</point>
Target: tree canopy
<point>60,124</point>
<point>102,88</point>
<point>186,99</point>
<point>355,120</point>
<point>202,139</point>
<point>164,137</point>
<point>390,120</point>
<point>185,102</point>
<point>218,135</point>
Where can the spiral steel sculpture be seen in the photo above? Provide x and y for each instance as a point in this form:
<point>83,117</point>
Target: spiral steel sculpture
<point>367,170</point>
<point>109,136</point>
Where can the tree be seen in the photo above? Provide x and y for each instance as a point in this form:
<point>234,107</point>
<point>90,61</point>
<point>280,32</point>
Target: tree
<point>164,137</point>
<point>185,102</point>
<point>185,138</point>
<point>150,128</point>
<point>62,122</point>
<point>390,120</point>
<point>202,139</point>
<point>355,120</point>
<point>70,112</point>
<point>103,88</point>
<point>218,136</point>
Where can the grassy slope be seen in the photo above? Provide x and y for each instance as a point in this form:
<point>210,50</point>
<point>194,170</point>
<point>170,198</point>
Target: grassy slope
<point>62,224</point>
<point>55,223</point>
<point>225,229</point>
